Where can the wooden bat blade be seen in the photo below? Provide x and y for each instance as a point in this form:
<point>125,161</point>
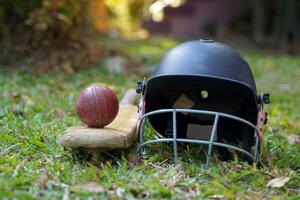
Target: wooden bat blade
<point>121,133</point>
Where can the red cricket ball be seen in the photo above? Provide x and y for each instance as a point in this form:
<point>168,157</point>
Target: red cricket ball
<point>97,106</point>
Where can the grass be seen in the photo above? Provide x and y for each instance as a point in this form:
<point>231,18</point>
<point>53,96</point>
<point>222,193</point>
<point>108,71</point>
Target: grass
<point>35,108</point>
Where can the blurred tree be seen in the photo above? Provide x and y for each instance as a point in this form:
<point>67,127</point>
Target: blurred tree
<point>286,22</point>
<point>30,22</point>
<point>258,21</point>
<point>46,28</point>
<point>11,14</point>
<point>126,15</point>
<point>136,13</point>
<point>98,15</point>
<point>60,19</point>
<point>278,19</point>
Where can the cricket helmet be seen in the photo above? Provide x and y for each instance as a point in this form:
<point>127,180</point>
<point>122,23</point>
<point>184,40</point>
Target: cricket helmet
<point>201,87</point>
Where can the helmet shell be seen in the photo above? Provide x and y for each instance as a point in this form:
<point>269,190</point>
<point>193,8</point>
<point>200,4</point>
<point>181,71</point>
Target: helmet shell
<point>206,58</point>
<point>198,66</point>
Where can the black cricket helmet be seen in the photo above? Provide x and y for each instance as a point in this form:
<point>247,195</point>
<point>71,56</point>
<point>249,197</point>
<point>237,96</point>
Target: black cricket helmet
<point>199,80</point>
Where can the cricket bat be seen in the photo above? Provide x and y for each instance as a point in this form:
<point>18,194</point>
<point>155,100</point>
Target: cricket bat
<point>119,134</point>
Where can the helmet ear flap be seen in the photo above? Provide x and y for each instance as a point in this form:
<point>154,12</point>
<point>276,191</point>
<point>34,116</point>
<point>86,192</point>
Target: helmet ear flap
<point>141,87</point>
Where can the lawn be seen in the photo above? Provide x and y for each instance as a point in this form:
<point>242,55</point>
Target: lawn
<point>35,108</point>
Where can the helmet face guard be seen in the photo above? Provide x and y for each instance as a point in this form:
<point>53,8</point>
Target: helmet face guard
<point>212,141</point>
<point>203,92</point>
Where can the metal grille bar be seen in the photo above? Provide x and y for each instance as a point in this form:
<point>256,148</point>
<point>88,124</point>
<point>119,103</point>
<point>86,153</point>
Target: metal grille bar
<point>210,143</point>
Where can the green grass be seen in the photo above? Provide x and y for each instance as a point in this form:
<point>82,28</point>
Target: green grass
<point>35,108</point>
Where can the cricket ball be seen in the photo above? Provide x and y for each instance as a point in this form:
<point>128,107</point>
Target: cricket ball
<point>97,106</point>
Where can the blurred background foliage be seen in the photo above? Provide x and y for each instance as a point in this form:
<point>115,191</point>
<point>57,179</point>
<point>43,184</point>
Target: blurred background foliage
<point>27,27</point>
<point>35,22</point>
<point>60,18</point>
